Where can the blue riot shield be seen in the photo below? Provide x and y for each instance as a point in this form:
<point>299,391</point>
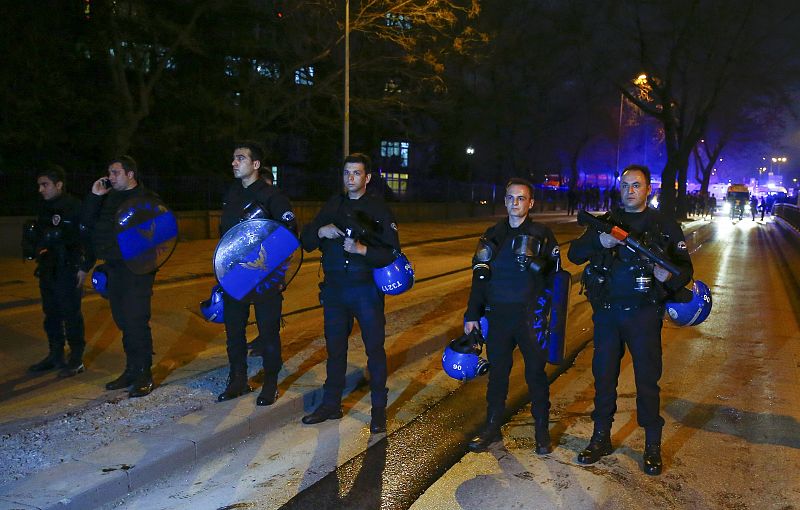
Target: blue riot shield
<point>256,259</point>
<point>146,232</point>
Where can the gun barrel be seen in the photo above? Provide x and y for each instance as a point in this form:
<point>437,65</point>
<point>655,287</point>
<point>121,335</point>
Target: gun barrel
<point>588,219</point>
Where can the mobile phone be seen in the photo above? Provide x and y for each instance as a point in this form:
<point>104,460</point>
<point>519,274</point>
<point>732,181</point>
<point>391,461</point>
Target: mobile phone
<point>107,183</point>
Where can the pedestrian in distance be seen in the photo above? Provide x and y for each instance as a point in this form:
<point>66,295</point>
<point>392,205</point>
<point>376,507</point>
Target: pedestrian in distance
<point>54,240</point>
<point>249,197</point>
<point>129,293</point>
<point>753,206</point>
<point>348,291</point>
<point>627,297</point>
<point>511,268</point>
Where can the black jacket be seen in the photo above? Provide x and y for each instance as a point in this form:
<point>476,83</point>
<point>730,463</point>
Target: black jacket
<point>98,216</point>
<point>650,223</point>
<point>383,243</point>
<point>60,245</point>
<point>508,284</point>
<point>275,204</point>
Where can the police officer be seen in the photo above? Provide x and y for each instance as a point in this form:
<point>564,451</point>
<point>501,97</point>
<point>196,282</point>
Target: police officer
<point>511,268</point>
<point>349,291</point>
<point>129,293</point>
<point>627,296</point>
<point>56,244</point>
<point>250,197</point>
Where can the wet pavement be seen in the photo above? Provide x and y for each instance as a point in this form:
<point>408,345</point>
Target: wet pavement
<point>282,460</point>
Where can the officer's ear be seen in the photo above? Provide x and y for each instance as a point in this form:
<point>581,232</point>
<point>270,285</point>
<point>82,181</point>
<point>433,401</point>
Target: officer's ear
<point>369,176</point>
<point>59,186</point>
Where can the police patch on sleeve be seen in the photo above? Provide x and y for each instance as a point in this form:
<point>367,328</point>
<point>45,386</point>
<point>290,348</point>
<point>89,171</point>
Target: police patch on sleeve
<point>56,219</point>
<point>681,245</point>
<point>287,216</point>
<point>394,226</point>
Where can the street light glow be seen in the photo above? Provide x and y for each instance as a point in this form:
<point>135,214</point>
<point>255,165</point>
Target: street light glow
<point>470,150</point>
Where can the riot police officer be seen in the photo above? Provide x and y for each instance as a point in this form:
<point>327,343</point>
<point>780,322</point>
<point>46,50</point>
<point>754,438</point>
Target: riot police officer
<point>251,197</point>
<point>511,268</point>
<point>349,291</point>
<point>627,295</point>
<point>55,242</point>
<point>129,293</point>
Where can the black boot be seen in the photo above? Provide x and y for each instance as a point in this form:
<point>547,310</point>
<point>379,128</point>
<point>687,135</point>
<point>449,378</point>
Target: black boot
<point>488,435</point>
<point>652,459</point>
<point>237,386</point>
<point>55,359</point>
<point>142,383</point>
<point>269,392</point>
<point>74,366</point>
<point>323,413</point>
<point>599,446</point>
<point>377,423</point>
<point>542,436</point>
<point>123,381</point>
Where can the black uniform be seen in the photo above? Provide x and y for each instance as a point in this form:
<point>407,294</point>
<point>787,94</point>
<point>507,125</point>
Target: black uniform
<point>276,207</point>
<point>129,294</point>
<point>624,316</point>
<point>510,298</point>
<point>349,290</point>
<point>60,254</point>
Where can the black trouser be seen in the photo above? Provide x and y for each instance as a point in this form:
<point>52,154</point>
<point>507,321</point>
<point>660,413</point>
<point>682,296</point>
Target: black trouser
<point>129,295</point>
<point>61,303</point>
<point>510,325</point>
<point>342,303</point>
<point>640,330</point>
<point>268,318</point>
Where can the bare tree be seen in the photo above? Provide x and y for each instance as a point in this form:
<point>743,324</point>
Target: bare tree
<point>697,56</point>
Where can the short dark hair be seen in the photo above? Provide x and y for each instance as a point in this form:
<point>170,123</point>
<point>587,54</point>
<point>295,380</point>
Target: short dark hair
<point>128,164</point>
<point>53,172</point>
<point>256,151</point>
<point>359,157</point>
<point>519,181</point>
<point>638,168</point>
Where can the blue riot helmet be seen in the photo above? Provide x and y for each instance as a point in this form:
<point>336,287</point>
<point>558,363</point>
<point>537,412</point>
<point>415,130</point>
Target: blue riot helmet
<point>100,280</point>
<point>694,311</point>
<point>460,359</point>
<point>395,278</point>
<point>212,308</point>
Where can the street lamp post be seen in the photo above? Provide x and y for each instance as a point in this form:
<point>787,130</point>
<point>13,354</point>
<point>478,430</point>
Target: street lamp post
<point>346,134</point>
<point>470,150</point>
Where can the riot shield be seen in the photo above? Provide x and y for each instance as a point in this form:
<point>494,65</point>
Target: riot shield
<point>256,259</point>
<point>146,232</point>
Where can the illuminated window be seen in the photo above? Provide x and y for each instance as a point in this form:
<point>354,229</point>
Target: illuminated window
<point>232,66</point>
<point>304,76</point>
<point>392,86</point>
<point>391,149</point>
<point>266,69</point>
<point>397,20</point>
<point>397,182</point>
